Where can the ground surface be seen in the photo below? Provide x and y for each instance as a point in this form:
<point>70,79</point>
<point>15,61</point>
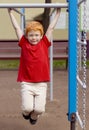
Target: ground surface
<point>54,118</point>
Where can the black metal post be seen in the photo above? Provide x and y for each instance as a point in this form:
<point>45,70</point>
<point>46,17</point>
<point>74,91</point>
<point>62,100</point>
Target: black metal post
<point>73,121</point>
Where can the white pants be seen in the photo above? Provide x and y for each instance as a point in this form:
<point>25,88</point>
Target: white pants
<point>33,98</point>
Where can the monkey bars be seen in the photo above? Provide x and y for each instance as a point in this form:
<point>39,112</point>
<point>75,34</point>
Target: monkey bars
<point>36,5</point>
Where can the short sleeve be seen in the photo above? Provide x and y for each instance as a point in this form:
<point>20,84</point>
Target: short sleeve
<point>22,40</point>
<point>45,39</point>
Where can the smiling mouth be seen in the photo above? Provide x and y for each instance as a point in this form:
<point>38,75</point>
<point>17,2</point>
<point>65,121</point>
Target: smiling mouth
<point>33,41</point>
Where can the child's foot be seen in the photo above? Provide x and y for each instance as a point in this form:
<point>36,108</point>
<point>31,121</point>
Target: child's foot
<point>32,121</point>
<point>26,117</point>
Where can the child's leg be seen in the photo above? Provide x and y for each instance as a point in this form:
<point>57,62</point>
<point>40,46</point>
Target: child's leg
<point>27,98</point>
<point>40,100</point>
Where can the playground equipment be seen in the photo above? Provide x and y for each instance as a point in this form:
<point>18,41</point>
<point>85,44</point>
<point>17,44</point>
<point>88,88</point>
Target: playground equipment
<point>73,59</point>
<point>77,64</point>
<point>81,67</point>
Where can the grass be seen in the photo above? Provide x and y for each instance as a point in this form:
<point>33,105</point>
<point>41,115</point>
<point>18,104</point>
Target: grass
<point>88,63</point>
<point>13,64</point>
<point>62,64</point>
<point>59,64</point>
<point>9,64</point>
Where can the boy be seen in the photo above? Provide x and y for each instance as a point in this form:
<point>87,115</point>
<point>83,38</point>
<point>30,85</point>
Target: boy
<point>33,71</point>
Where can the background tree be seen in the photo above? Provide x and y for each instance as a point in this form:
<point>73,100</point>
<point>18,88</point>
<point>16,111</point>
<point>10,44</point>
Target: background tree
<point>46,18</point>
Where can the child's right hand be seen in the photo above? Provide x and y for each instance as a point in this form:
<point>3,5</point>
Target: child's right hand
<point>9,10</point>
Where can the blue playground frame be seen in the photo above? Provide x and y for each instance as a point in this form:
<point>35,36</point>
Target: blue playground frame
<point>72,61</point>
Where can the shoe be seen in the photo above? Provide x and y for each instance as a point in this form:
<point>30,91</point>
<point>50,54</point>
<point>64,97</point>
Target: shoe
<point>32,121</point>
<point>26,117</point>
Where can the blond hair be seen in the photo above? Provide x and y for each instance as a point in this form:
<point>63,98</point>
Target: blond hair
<point>34,25</point>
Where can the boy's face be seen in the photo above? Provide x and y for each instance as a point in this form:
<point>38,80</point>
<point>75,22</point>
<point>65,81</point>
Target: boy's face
<point>34,37</point>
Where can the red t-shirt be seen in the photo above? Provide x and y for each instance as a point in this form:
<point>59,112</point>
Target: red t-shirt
<point>34,61</point>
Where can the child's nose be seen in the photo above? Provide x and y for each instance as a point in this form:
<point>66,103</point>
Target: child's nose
<point>34,37</point>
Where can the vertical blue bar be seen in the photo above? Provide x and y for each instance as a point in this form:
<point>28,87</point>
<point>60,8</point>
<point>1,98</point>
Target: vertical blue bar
<point>22,19</point>
<point>72,83</point>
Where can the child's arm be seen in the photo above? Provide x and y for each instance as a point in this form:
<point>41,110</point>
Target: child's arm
<point>52,24</point>
<point>17,28</point>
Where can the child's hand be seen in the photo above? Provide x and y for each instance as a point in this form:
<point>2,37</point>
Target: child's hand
<point>9,10</point>
<point>58,9</point>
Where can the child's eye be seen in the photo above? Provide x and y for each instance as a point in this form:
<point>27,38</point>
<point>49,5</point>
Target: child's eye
<point>36,35</point>
<point>31,35</point>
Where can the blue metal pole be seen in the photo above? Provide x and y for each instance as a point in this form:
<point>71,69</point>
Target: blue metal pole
<point>72,62</point>
<point>23,19</point>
